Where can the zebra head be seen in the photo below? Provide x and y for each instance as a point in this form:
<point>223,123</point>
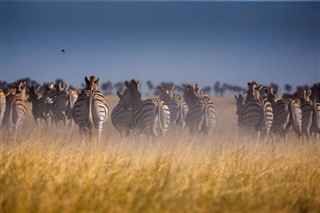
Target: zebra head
<point>254,90</point>
<point>131,95</point>
<point>33,93</point>
<point>22,90</point>
<point>61,87</point>
<point>315,92</point>
<point>169,90</point>
<point>304,94</point>
<point>272,94</point>
<point>92,84</point>
<point>190,94</point>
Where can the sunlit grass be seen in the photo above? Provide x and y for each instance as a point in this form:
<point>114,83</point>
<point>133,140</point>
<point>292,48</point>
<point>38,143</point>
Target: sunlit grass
<point>51,171</point>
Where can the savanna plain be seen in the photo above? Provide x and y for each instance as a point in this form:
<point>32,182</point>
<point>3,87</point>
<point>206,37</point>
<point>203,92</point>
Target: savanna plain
<point>50,170</point>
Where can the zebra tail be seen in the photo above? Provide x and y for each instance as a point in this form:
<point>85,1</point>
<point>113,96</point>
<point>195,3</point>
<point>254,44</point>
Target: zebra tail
<point>90,120</point>
<point>69,107</point>
<point>293,117</point>
<point>160,115</point>
<point>10,123</point>
<point>263,116</point>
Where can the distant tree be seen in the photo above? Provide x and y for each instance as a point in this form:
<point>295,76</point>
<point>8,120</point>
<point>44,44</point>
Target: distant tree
<point>150,85</point>
<point>119,86</point>
<point>288,88</point>
<point>3,85</point>
<point>107,87</point>
<point>216,88</point>
<point>274,86</point>
<point>207,89</point>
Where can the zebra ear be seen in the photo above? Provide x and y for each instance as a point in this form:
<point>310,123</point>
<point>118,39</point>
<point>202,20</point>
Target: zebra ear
<point>249,84</point>
<point>236,97</point>
<point>308,92</point>
<point>65,85</point>
<point>127,84</point>
<point>86,80</point>
<point>138,84</point>
<point>259,86</point>
<point>97,81</point>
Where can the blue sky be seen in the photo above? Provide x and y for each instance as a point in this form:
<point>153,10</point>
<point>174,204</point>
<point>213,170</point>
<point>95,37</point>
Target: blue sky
<point>233,42</point>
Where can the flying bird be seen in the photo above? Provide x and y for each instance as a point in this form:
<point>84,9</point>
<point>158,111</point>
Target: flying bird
<point>62,50</point>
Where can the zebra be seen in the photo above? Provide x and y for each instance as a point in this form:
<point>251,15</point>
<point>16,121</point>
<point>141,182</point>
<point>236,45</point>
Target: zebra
<point>121,116</point>
<point>39,106</point>
<point>256,114</point>
<point>2,106</point>
<point>60,103</point>
<point>286,112</point>
<point>307,111</point>
<point>91,110</point>
<point>201,117</point>
<point>315,98</point>
<point>310,111</point>
<point>16,109</point>
<point>150,116</point>
<point>177,106</point>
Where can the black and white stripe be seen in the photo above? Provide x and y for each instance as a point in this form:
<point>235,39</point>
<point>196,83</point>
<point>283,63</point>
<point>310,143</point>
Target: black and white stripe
<point>16,109</point>
<point>151,116</point>
<point>307,112</point>
<point>121,116</point>
<point>177,106</point>
<point>201,117</point>
<point>91,110</point>
<point>2,106</point>
<point>286,112</point>
<point>60,104</point>
<point>39,106</point>
<point>256,115</point>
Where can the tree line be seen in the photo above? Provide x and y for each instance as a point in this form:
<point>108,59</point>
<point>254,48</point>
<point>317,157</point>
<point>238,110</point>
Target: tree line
<point>217,89</point>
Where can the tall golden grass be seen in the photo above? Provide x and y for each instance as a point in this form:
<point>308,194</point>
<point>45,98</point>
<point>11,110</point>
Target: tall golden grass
<point>52,171</point>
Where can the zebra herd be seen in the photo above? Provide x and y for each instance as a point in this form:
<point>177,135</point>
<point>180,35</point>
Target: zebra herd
<point>270,115</point>
<point>261,112</point>
<point>56,103</point>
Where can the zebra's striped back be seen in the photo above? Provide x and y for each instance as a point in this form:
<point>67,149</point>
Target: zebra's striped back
<point>177,106</point>
<point>307,111</point>
<point>60,107</point>
<point>72,98</point>
<point>201,117</point>
<point>121,117</point>
<point>16,109</point>
<point>39,105</point>
<point>267,117</point>
<point>281,119</point>
<point>251,116</point>
<point>2,106</point>
<point>91,110</point>
<point>151,116</point>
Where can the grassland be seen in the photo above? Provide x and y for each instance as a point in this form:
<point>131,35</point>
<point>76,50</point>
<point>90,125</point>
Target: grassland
<point>51,171</point>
